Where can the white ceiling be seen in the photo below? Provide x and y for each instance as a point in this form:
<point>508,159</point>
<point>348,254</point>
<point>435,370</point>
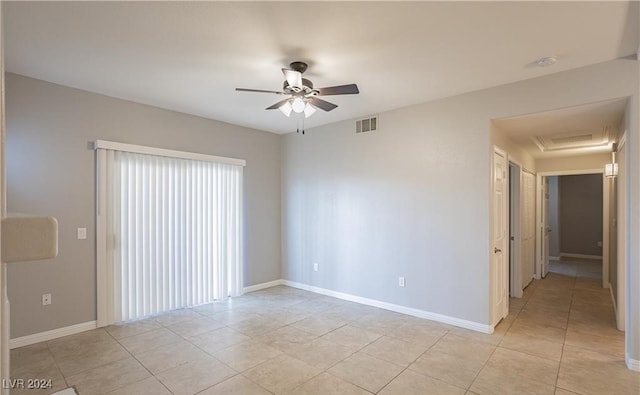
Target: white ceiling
<point>189,56</point>
<point>579,130</point>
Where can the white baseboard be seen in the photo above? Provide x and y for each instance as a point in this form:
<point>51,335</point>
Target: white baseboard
<point>484,328</point>
<point>583,256</point>
<point>52,334</point>
<point>258,287</point>
<point>632,364</point>
<point>86,326</point>
<point>554,258</point>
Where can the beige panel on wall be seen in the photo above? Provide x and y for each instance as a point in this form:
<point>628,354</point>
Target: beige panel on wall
<point>29,238</point>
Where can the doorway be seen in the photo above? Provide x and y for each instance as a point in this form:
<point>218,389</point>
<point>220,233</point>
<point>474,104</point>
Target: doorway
<point>574,219</point>
<point>573,141</point>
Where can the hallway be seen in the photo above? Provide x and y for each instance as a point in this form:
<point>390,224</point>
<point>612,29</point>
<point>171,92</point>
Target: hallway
<point>569,317</point>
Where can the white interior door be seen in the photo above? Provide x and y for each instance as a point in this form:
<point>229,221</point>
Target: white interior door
<point>500,239</point>
<point>544,229</point>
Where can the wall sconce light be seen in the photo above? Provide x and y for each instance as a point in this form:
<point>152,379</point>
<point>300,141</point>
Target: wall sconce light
<point>611,169</point>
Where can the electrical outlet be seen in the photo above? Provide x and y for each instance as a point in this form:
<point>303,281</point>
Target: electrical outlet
<point>599,244</point>
<point>401,281</point>
<point>82,233</point>
<point>46,299</point>
<point>315,267</point>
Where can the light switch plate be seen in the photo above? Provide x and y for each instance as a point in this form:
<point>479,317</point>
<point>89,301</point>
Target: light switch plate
<point>82,233</point>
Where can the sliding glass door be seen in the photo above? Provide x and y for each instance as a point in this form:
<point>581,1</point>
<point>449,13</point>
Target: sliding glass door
<point>171,232</point>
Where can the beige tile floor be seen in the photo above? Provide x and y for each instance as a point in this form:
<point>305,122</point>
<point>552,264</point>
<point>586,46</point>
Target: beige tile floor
<point>559,338</point>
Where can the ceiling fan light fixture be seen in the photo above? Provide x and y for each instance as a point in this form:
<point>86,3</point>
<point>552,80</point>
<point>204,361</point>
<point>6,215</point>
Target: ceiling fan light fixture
<point>298,105</point>
<point>286,109</point>
<point>294,78</point>
<point>309,110</point>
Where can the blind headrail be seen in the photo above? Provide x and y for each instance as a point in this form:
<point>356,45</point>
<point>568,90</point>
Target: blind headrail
<point>141,149</point>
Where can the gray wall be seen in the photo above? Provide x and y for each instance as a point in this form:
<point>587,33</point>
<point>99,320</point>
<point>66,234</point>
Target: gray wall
<point>580,214</point>
<point>51,171</point>
<point>554,224</point>
<point>412,199</point>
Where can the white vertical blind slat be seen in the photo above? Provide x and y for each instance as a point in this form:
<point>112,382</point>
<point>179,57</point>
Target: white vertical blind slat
<point>114,224</point>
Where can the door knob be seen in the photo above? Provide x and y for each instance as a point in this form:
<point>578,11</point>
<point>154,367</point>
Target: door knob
<point>496,250</point>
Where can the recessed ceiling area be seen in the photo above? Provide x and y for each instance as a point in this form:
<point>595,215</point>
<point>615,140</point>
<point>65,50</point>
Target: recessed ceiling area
<point>580,130</point>
<point>190,56</point>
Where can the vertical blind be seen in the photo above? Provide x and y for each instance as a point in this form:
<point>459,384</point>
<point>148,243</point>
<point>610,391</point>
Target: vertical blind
<point>173,232</point>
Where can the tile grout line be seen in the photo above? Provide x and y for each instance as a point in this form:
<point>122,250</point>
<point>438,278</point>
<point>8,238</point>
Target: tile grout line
<point>55,361</point>
<point>137,360</point>
<point>222,362</point>
<point>573,289</point>
<point>482,368</point>
<point>419,356</point>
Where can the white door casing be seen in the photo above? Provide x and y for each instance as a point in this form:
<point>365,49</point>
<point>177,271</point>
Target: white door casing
<point>515,229</point>
<point>4,303</point>
<point>544,228</point>
<point>499,252</point>
<point>621,229</point>
<point>528,227</point>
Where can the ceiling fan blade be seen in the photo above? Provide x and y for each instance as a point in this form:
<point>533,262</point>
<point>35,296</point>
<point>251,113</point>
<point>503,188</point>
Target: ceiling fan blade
<point>258,90</point>
<point>294,78</point>
<point>277,105</point>
<point>322,104</point>
<point>350,89</point>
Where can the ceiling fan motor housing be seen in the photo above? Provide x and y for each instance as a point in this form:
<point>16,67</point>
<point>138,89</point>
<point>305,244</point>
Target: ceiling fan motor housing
<point>298,66</point>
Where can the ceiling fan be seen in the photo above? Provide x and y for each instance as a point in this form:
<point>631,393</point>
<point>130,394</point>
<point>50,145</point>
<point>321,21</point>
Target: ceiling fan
<point>301,95</point>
